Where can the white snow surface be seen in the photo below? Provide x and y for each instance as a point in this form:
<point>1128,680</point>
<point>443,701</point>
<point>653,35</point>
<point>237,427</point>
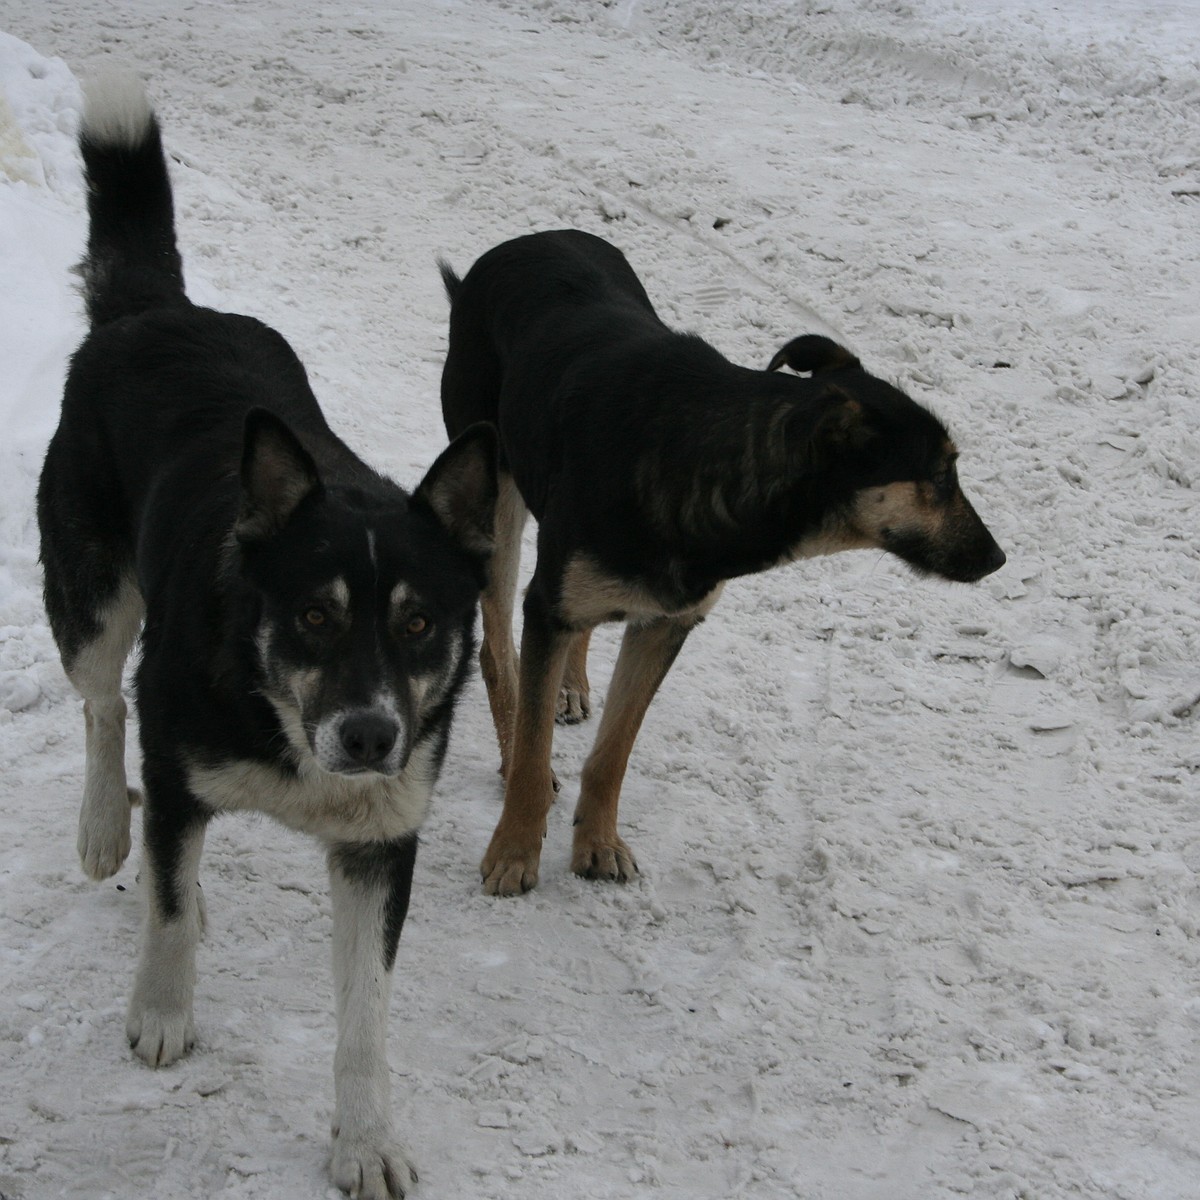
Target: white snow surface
<point>918,913</point>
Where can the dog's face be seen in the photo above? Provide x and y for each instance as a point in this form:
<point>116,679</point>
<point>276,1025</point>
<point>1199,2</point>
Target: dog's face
<point>366,597</point>
<point>898,465</point>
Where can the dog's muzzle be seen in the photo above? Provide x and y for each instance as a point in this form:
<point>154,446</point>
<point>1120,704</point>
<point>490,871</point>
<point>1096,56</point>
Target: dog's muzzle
<point>362,740</point>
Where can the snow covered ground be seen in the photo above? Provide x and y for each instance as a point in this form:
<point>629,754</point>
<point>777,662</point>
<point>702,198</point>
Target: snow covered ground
<point>919,913</point>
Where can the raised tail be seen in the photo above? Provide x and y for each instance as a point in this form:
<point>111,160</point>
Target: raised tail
<point>132,262</point>
<point>450,280</point>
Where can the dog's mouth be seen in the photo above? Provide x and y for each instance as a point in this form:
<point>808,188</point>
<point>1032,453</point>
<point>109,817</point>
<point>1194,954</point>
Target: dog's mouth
<point>958,564</point>
<point>357,772</point>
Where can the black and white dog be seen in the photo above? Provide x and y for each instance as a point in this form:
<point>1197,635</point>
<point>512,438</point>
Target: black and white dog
<point>307,624</point>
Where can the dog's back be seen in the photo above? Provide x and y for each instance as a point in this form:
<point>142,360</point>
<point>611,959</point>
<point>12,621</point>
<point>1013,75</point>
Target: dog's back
<point>536,304</point>
<point>554,340</point>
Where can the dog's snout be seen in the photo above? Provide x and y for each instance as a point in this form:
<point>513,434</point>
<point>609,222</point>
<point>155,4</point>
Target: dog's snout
<point>988,556</point>
<point>368,738</point>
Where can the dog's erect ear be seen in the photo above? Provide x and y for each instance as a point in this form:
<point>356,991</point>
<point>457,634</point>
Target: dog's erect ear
<point>277,473</point>
<point>461,488</point>
<point>812,352</point>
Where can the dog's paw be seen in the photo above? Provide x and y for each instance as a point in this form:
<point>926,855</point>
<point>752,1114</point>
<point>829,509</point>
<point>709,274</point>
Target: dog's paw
<point>370,1167</point>
<point>607,858</point>
<point>104,838</point>
<point>159,1038</point>
<point>508,870</point>
<point>573,706</point>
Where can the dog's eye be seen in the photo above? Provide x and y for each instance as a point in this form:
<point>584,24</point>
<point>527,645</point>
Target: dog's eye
<point>314,618</point>
<point>416,626</point>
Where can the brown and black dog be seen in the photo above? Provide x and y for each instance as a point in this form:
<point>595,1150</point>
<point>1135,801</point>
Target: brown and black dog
<point>656,470</point>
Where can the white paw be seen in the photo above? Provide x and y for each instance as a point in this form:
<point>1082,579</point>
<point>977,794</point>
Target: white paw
<point>159,1038</point>
<point>370,1167</point>
<point>104,839</point>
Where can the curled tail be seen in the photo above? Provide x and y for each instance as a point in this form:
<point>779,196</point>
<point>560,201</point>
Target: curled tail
<point>132,262</point>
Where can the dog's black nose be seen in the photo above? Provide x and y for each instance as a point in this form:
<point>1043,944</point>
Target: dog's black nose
<point>368,737</point>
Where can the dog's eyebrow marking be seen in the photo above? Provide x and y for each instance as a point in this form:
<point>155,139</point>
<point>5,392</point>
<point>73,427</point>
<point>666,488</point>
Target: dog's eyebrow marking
<point>401,595</point>
<point>336,593</point>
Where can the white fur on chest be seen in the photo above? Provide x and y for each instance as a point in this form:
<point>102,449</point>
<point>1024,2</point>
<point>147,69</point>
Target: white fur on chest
<point>332,807</point>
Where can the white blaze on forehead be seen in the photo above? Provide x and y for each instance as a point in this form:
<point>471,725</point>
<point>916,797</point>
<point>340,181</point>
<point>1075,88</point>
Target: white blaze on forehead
<point>371,548</point>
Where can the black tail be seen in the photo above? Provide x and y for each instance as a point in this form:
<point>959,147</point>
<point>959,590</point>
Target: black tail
<point>132,262</point>
<point>449,278</point>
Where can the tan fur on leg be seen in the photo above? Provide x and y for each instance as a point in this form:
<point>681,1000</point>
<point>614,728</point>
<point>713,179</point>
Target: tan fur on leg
<point>510,865</point>
<point>575,697</point>
<point>647,653</point>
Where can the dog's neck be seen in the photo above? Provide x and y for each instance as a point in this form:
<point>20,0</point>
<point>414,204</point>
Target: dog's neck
<point>752,495</point>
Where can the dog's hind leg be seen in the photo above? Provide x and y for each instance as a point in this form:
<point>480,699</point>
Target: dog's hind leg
<point>575,697</point>
<point>95,611</point>
<point>497,651</point>
<point>647,652</point>
<point>95,671</point>
<point>159,1021</point>
<point>95,641</point>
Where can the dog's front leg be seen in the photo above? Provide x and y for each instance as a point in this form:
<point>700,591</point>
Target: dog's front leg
<point>647,652</point>
<point>510,865</point>
<point>370,884</point>
<point>159,1022</point>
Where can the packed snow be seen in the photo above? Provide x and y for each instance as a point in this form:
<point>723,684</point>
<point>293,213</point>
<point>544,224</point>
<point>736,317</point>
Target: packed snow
<point>918,914</point>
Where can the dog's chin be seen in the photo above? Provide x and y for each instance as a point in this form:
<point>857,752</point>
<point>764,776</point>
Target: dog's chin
<point>979,567</point>
<point>945,572</point>
<point>348,769</point>
<point>928,565</point>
